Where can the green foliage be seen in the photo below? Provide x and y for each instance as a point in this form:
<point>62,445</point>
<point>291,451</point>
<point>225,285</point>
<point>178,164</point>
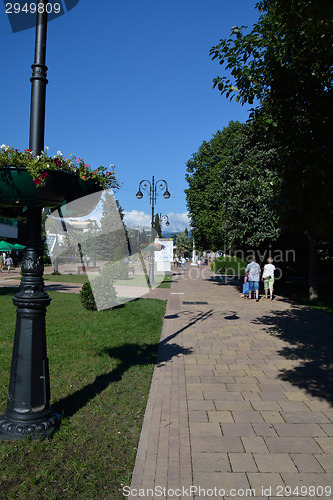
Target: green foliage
<point>184,244</point>
<point>39,166</point>
<point>100,289</point>
<point>229,265</point>
<point>157,226</point>
<point>56,273</point>
<point>113,234</point>
<point>232,189</point>
<point>286,64</point>
<point>87,297</point>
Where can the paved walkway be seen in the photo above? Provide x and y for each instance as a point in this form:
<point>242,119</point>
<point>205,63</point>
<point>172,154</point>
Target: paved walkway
<point>241,398</point>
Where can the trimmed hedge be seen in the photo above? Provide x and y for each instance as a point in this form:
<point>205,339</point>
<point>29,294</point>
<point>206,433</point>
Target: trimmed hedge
<point>229,265</point>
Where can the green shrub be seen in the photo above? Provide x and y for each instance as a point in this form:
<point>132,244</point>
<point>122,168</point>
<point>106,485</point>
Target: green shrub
<point>229,265</point>
<point>46,260</point>
<point>100,291</point>
<point>87,297</point>
<point>56,273</point>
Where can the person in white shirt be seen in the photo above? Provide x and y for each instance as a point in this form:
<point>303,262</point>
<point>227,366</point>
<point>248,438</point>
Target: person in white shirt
<point>268,277</point>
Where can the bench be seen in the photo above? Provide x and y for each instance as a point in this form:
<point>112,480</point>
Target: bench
<point>84,269</point>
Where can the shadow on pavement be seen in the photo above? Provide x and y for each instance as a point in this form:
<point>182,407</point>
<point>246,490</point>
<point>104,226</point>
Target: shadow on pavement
<point>310,339</point>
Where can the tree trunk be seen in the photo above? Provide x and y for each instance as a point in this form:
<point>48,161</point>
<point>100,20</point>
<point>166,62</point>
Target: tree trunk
<point>313,271</point>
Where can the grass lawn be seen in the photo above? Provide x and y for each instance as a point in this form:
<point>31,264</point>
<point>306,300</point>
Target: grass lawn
<point>162,281</point>
<point>101,365</point>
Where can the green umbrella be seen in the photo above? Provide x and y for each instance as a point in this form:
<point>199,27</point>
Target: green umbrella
<point>6,247</point>
<point>18,247</point>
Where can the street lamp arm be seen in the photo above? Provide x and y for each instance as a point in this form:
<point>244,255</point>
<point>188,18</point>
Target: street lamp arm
<point>160,185</point>
<point>145,185</point>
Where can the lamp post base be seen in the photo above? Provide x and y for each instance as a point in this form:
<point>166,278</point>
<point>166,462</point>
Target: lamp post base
<point>28,411</point>
<point>13,429</point>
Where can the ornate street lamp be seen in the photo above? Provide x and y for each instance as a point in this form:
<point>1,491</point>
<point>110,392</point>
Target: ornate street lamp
<point>28,411</point>
<point>153,189</point>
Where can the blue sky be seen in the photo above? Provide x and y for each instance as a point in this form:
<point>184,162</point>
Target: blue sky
<point>130,83</point>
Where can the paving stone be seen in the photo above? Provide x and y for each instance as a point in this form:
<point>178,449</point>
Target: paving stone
<point>296,396</point>
<point>221,416</point>
<point>216,444</point>
<point>236,429</point>
<point>293,445</point>
<point>305,417</point>
<point>301,430</point>
<point>198,416</point>
<point>244,416</point>
<point>271,416</point>
<point>264,429</point>
<point>328,429</point>
<point>326,444</point>
<point>263,482</point>
<point>305,462</point>
<point>310,480</point>
<point>254,444</point>
<point>274,462</point>
<point>242,462</point>
<point>326,462</point>
<point>205,429</point>
<point>200,405</point>
<point>211,462</point>
<point>226,481</point>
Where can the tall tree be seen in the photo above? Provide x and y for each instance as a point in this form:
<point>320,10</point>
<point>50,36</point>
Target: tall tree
<point>232,188</point>
<point>184,244</point>
<point>113,234</point>
<point>157,226</point>
<point>285,66</point>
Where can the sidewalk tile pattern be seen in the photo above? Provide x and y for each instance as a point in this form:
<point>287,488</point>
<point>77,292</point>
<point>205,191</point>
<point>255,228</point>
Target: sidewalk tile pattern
<point>241,398</point>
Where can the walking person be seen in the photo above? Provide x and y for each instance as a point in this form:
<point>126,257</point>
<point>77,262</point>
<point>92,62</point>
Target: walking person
<point>253,270</point>
<point>9,262</point>
<point>268,278</point>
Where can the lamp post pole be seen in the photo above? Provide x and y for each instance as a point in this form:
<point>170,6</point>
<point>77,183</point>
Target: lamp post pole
<point>153,189</point>
<point>28,411</point>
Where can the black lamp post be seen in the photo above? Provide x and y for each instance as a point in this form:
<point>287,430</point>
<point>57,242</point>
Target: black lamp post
<point>153,189</point>
<point>28,411</point>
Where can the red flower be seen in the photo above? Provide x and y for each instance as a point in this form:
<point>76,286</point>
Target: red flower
<point>58,163</point>
<point>37,181</point>
<point>45,174</point>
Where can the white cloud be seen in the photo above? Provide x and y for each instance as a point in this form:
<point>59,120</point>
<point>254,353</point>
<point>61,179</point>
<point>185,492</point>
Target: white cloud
<point>137,219</point>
